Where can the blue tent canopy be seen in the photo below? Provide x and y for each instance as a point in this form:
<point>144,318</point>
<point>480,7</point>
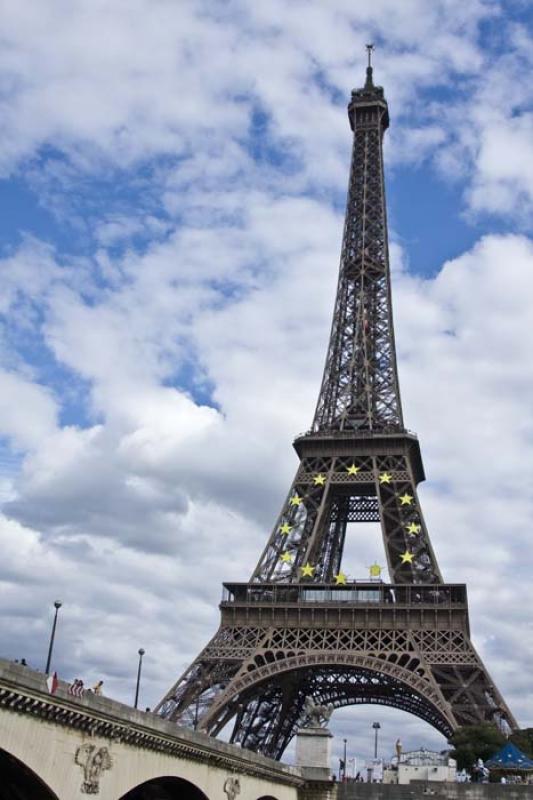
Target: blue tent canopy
<point>509,757</point>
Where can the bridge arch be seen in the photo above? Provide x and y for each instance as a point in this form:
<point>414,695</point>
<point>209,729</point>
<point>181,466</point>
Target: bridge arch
<point>18,780</point>
<point>338,680</point>
<point>165,788</point>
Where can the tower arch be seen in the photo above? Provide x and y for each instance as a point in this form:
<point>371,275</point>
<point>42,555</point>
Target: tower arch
<point>269,707</point>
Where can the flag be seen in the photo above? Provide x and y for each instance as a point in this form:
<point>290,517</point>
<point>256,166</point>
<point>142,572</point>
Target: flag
<point>52,683</point>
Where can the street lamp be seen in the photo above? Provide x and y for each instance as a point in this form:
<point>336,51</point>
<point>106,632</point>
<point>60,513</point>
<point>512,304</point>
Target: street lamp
<point>141,653</point>
<point>376,727</point>
<point>57,606</point>
<point>345,762</point>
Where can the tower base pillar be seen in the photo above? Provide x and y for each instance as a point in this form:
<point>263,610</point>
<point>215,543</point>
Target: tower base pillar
<point>313,753</point>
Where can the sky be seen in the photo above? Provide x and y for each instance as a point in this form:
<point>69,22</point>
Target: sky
<point>172,188</point>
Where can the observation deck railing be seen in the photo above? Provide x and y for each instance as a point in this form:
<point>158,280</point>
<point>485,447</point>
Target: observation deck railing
<point>357,433</point>
<point>364,593</point>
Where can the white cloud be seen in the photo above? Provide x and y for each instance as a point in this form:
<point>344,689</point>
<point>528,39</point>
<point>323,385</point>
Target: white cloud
<point>505,167</point>
<point>27,278</point>
<point>489,134</point>
<point>177,80</point>
<point>28,411</point>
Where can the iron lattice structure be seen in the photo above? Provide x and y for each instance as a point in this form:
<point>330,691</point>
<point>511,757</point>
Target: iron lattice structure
<point>299,628</point>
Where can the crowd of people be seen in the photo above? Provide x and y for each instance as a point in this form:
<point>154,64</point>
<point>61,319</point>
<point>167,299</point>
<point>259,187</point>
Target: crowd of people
<point>76,688</point>
<point>479,773</point>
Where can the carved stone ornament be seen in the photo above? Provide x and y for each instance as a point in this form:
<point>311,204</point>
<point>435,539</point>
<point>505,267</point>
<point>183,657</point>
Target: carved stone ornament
<point>317,714</point>
<point>93,761</point>
<point>232,787</point>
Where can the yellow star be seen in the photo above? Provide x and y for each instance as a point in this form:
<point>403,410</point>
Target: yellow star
<point>319,480</point>
<point>340,579</point>
<point>385,477</point>
<point>296,500</point>
<point>413,528</point>
<point>375,570</point>
<point>286,557</point>
<point>353,470</point>
<point>407,557</point>
<point>406,499</point>
<point>307,570</point>
<point>285,528</point>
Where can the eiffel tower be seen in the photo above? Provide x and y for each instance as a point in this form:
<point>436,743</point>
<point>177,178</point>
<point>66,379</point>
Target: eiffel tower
<point>300,628</point>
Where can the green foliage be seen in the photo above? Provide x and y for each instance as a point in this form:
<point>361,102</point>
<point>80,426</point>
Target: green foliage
<point>476,741</point>
<point>524,740</point>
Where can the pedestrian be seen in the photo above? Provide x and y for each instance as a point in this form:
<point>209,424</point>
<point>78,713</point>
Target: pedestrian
<point>76,688</point>
<point>97,688</point>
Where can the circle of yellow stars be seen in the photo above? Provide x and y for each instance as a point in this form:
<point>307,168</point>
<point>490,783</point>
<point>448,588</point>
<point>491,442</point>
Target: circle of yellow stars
<point>308,570</point>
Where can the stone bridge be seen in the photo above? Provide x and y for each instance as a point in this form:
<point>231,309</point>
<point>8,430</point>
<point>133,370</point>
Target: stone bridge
<point>60,747</point>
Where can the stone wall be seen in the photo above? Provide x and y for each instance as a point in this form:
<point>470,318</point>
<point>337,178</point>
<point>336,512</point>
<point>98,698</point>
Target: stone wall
<point>427,791</point>
<point>56,736</point>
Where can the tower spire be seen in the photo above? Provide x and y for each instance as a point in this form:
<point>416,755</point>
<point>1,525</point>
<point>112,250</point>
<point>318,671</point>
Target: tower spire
<point>360,388</point>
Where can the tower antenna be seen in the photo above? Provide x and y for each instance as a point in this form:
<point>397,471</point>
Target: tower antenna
<point>369,84</point>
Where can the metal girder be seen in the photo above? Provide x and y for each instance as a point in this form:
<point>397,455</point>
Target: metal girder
<point>435,674</point>
<point>354,488</point>
<point>360,389</point>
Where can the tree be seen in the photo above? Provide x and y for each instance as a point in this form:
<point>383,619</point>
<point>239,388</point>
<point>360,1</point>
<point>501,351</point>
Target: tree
<point>475,741</point>
<point>523,739</point>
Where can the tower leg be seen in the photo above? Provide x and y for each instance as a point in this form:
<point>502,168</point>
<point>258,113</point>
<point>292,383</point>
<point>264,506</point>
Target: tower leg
<point>259,677</point>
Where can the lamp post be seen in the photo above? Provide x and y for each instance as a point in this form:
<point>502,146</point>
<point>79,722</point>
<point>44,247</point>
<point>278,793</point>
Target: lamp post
<point>57,606</point>
<point>376,727</point>
<point>141,654</point>
<point>345,763</point>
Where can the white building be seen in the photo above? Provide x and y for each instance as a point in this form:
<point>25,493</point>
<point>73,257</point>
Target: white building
<point>421,765</point>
